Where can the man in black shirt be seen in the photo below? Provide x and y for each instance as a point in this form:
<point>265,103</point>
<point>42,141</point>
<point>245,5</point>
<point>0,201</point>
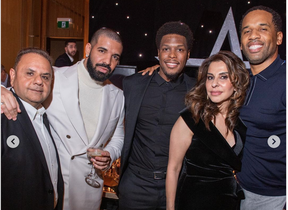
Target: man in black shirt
<point>152,104</point>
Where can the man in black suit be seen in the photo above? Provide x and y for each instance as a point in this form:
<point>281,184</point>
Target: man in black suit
<point>31,178</point>
<point>152,105</point>
<point>66,59</point>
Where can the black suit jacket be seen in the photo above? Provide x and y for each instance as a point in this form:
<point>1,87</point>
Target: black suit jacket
<point>63,60</point>
<point>134,88</point>
<point>25,179</point>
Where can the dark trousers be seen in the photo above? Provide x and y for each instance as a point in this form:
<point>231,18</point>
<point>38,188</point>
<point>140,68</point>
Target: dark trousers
<point>137,192</point>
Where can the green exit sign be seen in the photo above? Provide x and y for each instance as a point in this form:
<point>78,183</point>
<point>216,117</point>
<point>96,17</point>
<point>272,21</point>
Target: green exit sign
<point>63,24</point>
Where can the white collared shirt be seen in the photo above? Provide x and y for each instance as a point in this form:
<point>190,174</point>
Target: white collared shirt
<point>36,117</point>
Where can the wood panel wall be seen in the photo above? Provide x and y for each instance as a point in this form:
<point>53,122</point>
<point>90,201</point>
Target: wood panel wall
<point>65,9</point>
<point>12,36</point>
<point>28,23</point>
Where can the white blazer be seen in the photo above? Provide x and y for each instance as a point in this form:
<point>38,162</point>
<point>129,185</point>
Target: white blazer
<point>71,140</point>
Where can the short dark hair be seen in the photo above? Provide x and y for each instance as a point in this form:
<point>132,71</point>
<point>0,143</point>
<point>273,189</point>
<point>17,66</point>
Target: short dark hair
<point>68,41</point>
<point>276,18</point>
<point>175,27</point>
<point>32,50</point>
<point>105,32</point>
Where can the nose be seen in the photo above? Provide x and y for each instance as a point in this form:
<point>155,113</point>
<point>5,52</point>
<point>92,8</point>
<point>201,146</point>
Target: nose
<point>214,83</point>
<point>107,59</point>
<point>172,54</point>
<point>254,34</point>
<point>38,80</point>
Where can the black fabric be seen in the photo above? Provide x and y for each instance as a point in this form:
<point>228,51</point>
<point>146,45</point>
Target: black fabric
<point>25,178</point>
<point>150,174</point>
<point>141,192</point>
<point>158,112</point>
<point>208,180</point>
<point>135,87</point>
<point>63,60</point>
<point>134,189</point>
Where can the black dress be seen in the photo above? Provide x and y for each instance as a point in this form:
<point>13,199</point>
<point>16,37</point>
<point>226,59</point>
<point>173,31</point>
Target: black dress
<point>207,179</point>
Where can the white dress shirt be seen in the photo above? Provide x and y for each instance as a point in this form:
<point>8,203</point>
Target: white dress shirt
<point>36,117</point>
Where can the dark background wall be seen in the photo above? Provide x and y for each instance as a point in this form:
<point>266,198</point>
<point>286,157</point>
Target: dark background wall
<point>146,16</point>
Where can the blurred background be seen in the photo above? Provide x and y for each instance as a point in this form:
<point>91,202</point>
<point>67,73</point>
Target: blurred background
<point>33,23</point>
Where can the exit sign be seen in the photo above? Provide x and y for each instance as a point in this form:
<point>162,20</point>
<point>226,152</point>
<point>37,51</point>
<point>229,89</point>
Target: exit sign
<point>64,22</point>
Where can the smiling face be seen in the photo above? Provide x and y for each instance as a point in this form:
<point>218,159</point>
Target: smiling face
<point>32,78</point>
<point>259,38</point>
<point>103,57</point>
<point>218,85</point>
<point>173,55</point>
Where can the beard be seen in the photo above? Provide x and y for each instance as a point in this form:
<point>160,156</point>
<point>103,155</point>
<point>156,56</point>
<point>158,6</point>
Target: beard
<point>97,75</point>
<point>72,53</point>
<point>260,58</point>
<point>172,76</point>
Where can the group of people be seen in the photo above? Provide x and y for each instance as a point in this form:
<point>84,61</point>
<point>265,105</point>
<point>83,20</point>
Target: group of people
<point>215,143</point>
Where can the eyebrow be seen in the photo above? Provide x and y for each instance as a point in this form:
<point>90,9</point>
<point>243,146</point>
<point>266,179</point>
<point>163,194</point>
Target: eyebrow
<point>47,73</point>
<point>221,73</point>
<point>103,48</point>
<point>179,45</point>
<point>261,24</point>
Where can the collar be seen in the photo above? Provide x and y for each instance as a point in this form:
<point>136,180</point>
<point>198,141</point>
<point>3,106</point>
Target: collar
<point>161,81</point>
<point>270,70</point>
<point>71,59</point>
<point>32,111</point>
<point>84,77</point>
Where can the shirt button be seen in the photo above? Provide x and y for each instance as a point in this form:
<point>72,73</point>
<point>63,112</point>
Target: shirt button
<point>68,136</point>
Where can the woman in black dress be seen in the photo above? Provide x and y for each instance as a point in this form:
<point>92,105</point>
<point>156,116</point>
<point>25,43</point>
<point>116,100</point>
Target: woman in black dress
<point>209,136</point>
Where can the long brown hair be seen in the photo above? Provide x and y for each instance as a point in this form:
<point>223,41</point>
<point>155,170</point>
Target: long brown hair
<point>202,107</point>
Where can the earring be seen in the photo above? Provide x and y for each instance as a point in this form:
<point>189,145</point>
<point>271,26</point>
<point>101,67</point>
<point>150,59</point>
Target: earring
<point>87,56</point>
<point>207,97</point>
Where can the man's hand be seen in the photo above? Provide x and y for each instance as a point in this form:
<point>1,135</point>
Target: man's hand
<point>102,162</point>
<point>9,104</point>
<point>149,69</point>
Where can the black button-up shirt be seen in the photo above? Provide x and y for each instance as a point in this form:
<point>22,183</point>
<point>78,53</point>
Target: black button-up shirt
<point>159,111</point>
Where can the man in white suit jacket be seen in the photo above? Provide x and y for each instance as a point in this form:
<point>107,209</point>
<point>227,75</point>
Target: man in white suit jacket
<point>73,127</point>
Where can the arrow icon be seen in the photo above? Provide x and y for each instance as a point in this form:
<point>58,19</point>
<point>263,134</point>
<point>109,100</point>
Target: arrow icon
<point>13,141</point>
<point>273,141</point>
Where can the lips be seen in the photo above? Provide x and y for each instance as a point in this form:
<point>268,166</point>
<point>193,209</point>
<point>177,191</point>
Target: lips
<point>215,93</point>
<point>171,64</point>
<point>103,69</point>
<point>255,46</point>
<point>37,91</point>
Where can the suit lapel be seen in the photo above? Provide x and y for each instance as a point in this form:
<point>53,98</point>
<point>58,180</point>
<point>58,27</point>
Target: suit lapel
<point>134,98</point>
<point>28,128</point>
<point>60,179</point>
<point>69,94</point>
<point>133,101</point>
